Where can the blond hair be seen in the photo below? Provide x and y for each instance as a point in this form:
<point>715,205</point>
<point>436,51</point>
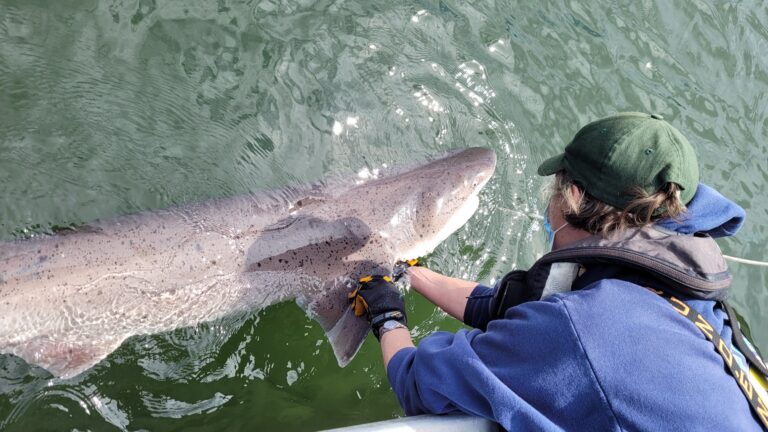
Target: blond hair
<point>590,214</point>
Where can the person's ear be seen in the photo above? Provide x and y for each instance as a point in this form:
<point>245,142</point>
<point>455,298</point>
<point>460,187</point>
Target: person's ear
<point>576,192</point>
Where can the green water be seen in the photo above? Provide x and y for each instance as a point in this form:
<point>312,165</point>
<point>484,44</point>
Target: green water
<point>111,107</point>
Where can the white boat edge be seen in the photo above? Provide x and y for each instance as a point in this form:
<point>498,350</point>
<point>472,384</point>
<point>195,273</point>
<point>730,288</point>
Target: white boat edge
<point>426,423</point>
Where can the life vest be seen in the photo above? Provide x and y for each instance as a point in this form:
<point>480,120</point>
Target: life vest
<point>690,266</point>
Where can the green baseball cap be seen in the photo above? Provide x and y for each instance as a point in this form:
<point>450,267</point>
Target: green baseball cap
<point>611,156</point>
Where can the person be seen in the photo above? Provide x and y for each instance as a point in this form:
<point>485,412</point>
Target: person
<point>622,326</point>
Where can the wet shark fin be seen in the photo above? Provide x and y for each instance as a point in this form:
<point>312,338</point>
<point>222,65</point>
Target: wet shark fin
<point>307,242</point>
<point>347,336</point>
<point>311,245</point>
<point>330,308</point>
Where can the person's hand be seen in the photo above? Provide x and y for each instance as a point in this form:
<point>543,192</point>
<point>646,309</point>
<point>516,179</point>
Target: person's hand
<point>379,300</point>
<point>402,267</point>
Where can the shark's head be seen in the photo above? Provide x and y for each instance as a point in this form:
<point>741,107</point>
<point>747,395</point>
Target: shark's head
<point>413,211</point>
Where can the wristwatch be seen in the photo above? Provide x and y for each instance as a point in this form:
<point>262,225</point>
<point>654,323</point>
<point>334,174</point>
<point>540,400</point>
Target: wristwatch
<point>390,325</point>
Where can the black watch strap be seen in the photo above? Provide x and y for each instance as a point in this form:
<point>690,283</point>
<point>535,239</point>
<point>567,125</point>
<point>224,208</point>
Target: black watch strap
<point>379,320</point>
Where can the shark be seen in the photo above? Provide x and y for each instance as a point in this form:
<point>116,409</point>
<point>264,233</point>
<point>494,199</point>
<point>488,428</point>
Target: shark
<point>69,299</point>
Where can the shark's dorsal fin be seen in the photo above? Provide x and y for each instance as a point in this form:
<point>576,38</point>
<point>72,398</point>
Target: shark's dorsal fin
<point>75,229</point>
<point>308,201</point>
<point>281,224</point>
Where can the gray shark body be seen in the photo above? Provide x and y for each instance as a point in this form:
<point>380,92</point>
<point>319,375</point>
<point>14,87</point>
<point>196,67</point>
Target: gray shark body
<point>68,300</point>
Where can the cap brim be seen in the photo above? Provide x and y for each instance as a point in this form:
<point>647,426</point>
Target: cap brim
<point>552,165</point>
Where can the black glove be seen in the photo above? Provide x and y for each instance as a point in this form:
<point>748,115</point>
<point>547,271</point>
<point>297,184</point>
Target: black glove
<point>379,299</point>
<point>402,266</point>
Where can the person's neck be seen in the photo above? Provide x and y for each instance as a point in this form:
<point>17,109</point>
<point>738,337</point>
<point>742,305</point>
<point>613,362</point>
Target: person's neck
<point>569,235</point>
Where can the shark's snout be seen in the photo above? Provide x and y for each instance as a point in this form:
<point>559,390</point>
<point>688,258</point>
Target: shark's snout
<point>477,163</point>
<point>481,155</point>
<point>478,159</point>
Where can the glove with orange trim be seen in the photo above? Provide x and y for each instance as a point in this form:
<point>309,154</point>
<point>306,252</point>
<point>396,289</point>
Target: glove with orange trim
<point>401,267</point>
<point>379,300</point>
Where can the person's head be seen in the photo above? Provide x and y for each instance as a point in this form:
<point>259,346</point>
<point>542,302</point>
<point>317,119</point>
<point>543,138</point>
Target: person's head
<point>623,171</point>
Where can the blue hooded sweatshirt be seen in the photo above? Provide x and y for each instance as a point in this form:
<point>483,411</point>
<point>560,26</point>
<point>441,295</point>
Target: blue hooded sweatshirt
<point>608,355</point>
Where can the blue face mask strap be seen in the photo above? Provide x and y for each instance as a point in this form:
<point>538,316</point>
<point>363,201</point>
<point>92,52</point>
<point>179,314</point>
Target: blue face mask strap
<point>548,229</point>
<point>547,225</point>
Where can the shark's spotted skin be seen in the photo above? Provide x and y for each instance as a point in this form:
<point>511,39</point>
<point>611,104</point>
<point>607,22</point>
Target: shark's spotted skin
<point>66,301</point>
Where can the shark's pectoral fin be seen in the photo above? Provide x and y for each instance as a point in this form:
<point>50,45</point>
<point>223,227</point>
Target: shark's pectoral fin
<point>330,308</point>
<point>64,359</point>
<point>321,248</point>
<point>347,335</point>
<point>314,245</point>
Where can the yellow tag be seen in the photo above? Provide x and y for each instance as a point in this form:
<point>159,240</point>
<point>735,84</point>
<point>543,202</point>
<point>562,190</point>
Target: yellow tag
<point>413,262</point>
<point>365,279</point>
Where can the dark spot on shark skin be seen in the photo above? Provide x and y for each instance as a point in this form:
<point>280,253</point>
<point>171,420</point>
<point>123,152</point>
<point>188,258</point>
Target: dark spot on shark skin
<point>42,258</point>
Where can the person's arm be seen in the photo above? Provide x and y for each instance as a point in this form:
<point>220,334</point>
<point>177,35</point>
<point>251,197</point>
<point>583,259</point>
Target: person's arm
<point>449,294</point>
<point>393,341</point>
<point>520,373</point>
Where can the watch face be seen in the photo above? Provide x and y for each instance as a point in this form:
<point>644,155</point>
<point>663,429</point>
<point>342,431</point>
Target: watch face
<point>391,325</point>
